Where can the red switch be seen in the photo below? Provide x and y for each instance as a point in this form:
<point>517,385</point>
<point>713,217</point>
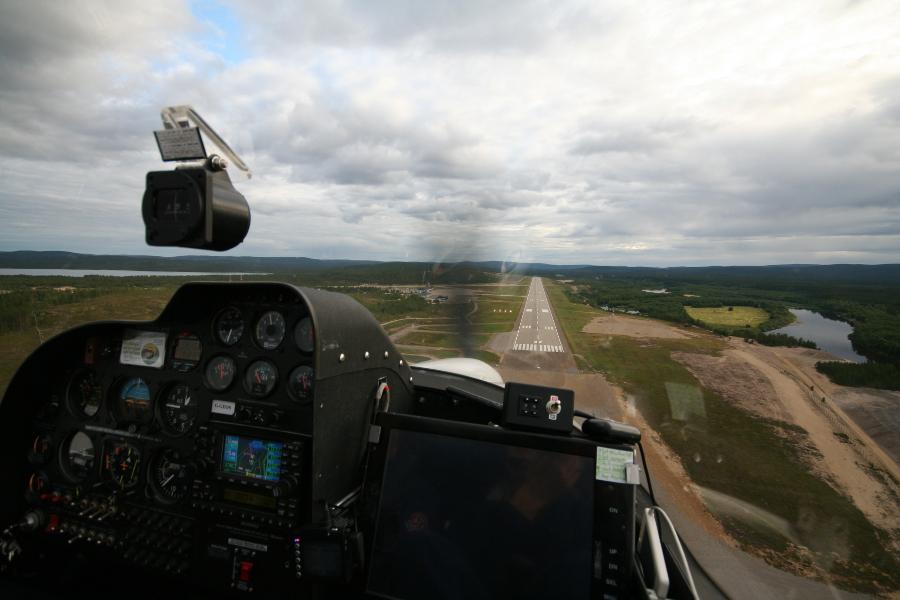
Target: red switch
<point>52,523</point>
<point>245,568</point>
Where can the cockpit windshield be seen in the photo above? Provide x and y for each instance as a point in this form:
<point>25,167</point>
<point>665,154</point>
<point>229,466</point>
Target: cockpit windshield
<point>686,213</point>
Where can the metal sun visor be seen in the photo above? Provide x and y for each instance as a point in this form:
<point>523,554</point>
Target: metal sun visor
<point>179,141</point>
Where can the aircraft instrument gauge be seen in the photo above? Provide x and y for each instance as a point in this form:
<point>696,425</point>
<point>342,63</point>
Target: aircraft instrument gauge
<point>170,478</point>
<point>270,330</point>
<point>220,373</point>
<point>179,410</point>
<point>122,464</point>
<point>230,326</point>
<point>84,394</point>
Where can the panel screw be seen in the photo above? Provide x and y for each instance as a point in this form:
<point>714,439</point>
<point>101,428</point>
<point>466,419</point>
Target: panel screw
<point>341,358</point>
<point>366,355</point>
<point>385,353</point>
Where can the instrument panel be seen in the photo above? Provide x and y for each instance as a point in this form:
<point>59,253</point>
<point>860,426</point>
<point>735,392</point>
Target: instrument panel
<point>202,420</point>
<point>217,444</point>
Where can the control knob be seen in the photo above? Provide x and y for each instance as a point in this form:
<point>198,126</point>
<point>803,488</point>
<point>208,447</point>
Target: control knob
<point>284,487</point>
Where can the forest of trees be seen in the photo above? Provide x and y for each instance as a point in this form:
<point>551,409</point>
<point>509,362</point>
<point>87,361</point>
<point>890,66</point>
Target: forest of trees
<point>878,375</point>
<point>872,309</point>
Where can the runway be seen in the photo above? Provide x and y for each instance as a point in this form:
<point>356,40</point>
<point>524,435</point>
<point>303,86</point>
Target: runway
<point>537,330</point>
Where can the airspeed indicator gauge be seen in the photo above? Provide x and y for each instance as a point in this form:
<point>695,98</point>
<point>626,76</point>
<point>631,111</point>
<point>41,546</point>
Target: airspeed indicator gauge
<point>229,326</point>
<point>84,394</point>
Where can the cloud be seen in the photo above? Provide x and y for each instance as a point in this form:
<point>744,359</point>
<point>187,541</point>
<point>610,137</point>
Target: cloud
<point>564,132</point>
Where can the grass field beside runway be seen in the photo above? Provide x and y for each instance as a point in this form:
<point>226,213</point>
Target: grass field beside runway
<point>729,316</point>
<point>727,449</point>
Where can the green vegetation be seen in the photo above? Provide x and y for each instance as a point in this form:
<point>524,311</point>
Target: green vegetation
<point>487,356</point>
<point>440,340</point>
<point>626,293</point>
<point>388,305</point>
<point>876,375</point>
<point>32,316</point>
<point>731,451</point>
<point>866,297</point>
<point>729,316</point>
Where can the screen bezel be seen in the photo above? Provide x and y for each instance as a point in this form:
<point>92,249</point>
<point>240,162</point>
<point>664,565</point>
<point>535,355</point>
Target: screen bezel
<point>484,433</point>
<point>220,460</point>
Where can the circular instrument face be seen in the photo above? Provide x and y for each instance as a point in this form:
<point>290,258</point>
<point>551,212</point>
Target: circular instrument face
<point>84,394</point>
<point>304,336</point>
<point>270,330</point>
<point>220,373</point>
<point>38,482</point>
<point>40,449</point>
<point>260,379</point>
<point>77,456</point>
<point>300,384</point>
<point>179,410</point>
<point>133,401</point>
<point>230,326</point>
<point>122,464</point>
<point>170,477</point>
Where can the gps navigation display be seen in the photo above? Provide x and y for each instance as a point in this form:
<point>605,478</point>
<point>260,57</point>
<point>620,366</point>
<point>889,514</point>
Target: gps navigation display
<point>252,458</point>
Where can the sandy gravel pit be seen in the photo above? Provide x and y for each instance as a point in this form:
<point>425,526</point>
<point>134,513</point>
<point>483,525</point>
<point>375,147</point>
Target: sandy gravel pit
<point>613,324</point>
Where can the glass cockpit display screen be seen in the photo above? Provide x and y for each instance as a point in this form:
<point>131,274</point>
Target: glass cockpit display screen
<point>252,458</point>
<point>464,518</point>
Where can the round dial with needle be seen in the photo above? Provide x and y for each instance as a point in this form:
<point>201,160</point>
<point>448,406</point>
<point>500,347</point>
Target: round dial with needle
<point>230,326</point>
<point>260,379</point>
<point>179,411</point>
<point>170,478</point>
<point>220,373</point>
<point>270,330</point>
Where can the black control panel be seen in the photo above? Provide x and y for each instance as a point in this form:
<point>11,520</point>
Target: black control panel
<point>614,529</point>
<point>538,408</point>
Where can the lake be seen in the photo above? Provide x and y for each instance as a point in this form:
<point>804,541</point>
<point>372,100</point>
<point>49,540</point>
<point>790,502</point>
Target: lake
<point>111,273</point>
<point>828,334</point>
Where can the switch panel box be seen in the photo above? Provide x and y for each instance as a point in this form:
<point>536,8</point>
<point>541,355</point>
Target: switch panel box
<point>538,408</point>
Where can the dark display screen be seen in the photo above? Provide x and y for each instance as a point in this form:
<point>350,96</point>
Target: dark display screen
<point>188,349</point>
<point>242,497</point>
<point>470,519</point>
<point>252,458</point>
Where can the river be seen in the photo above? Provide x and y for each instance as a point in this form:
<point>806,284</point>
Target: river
<point>828,334</point>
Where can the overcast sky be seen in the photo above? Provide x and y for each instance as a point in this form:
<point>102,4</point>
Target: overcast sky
<point>629,133</point>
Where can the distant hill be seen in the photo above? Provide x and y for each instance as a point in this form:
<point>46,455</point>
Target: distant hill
<point>468,272</point>
<point>24,259</point>
<point>888,274</point>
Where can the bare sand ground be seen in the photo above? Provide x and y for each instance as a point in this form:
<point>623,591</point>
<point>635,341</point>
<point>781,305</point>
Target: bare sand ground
<point>767,383</point>
<point>617,324</point>
<point>876,412</point>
